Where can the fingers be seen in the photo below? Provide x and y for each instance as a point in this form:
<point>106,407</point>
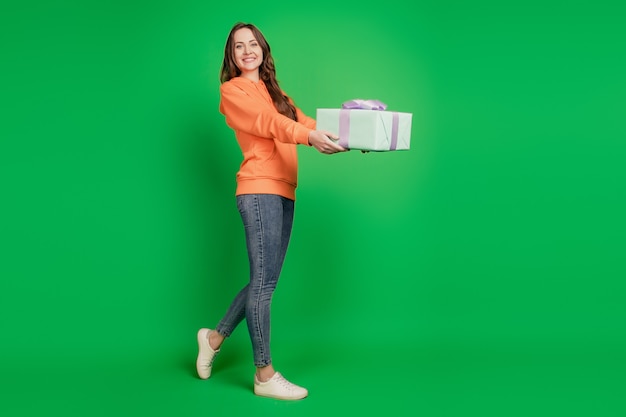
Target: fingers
<point>321,141</point>
<point>331,135</point>
<point>328,150</point>
<point>331,147</point>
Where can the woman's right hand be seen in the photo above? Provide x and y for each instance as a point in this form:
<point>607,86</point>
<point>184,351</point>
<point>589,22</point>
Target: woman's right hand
<point>321,141</point>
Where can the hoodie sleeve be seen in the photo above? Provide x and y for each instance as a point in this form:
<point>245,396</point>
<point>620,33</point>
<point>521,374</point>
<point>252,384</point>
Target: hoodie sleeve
<point>304,119</point>
<point>247,114</point>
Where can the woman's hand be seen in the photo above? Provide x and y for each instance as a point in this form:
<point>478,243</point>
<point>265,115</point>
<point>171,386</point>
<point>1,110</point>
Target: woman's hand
<point>320,140</point>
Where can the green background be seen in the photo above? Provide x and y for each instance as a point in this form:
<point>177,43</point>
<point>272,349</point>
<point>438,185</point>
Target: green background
<point>481,273</point>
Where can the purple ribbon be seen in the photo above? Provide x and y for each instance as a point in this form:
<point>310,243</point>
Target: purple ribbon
<point>364,104</point>
<point>344,120</point>
<point>344,128</point>
<point>395,121</point>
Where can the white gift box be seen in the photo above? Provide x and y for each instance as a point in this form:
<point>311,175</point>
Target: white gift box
<point>372,130</point>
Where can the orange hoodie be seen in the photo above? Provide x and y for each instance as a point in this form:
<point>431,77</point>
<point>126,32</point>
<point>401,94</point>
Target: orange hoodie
<point>267,138</point>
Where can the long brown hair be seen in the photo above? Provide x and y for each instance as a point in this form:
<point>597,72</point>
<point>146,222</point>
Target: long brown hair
<point>267,71</point>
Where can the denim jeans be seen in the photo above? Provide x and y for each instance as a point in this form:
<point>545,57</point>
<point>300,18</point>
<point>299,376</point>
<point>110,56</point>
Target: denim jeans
<point>267,220</point>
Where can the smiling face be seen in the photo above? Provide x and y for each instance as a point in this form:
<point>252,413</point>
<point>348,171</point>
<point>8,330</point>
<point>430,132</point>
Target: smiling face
<point>247,53</point>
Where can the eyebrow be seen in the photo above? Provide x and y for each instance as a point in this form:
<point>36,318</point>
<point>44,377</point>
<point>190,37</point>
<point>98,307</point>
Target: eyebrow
<point>251,40</point>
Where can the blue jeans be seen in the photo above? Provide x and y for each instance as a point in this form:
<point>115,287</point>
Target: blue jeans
<point>267,221</point>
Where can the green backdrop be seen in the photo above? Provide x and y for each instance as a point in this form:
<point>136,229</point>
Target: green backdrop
<point>481,273</point>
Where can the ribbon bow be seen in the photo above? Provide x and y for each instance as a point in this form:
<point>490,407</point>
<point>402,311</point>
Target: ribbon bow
<point>364,104</point>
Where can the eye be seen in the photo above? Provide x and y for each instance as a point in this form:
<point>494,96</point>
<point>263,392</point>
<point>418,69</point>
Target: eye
<point>238,46</point>
<point>254,44</point>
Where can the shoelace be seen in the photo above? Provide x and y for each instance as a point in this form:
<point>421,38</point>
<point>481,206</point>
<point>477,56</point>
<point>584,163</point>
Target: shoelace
<point>210,363</point>
<point>282,381</point>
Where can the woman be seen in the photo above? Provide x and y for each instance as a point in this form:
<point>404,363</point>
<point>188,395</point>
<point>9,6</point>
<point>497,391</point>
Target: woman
<point>268,126</point>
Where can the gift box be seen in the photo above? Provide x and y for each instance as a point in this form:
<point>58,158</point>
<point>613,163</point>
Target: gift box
<point>365,125</point>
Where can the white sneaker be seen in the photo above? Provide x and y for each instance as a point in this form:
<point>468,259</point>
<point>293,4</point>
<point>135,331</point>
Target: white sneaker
<point>278,387</point>
<point>206,355</point>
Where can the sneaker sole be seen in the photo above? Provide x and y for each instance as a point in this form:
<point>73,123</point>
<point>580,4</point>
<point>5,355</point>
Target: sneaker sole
<point>198,362</point>
<point>278,397</point>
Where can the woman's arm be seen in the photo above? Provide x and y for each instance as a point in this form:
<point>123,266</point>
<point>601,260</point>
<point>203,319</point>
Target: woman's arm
<point>259,118</point>
<point>245,113</point>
